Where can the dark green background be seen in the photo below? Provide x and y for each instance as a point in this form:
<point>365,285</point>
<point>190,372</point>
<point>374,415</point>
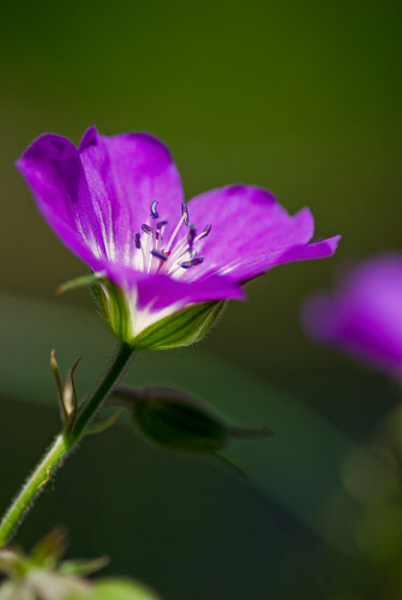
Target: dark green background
<point>301,97</point>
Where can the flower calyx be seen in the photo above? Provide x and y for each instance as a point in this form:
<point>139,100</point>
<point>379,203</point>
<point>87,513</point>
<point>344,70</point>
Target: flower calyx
<point>182,327</point>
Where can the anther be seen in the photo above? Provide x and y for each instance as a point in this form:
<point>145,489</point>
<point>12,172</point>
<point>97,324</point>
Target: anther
<point>161,224</point>
<point>191,263</point>
<point>161,255</point>
<point>146,228</point>
<point>184,212</point>
<point>191,234</point>
<point>205,232</point>
<point>137,240</point>
<point>154,212</point>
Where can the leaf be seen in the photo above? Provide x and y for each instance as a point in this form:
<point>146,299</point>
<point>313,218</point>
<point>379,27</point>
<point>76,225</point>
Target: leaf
<point>116,589</point>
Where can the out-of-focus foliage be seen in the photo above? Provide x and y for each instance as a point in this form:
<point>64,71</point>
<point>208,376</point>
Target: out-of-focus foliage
<point>43,576</point>
<point>141,500</point>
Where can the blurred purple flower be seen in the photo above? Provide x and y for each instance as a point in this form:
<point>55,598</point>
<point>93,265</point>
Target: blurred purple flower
<point>117,203</point>
<point>363,317</point>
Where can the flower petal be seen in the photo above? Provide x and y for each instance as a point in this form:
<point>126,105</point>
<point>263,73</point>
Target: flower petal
<point>160,291</point>
<point>126,173</point>
<point>363,317</point>
<point>320,249</point>
<point>250,232</point>
<point>53,170</point>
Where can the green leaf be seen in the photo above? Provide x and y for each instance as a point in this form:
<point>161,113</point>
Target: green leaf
<point>80,567</point>
<point>116,589</point>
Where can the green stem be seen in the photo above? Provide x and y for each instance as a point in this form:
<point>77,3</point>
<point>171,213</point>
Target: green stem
<point>62,445</point>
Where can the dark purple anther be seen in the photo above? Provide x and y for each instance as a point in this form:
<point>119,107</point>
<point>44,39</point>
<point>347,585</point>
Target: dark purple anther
<point>137,240</point>
<point>205,232</point>
<point>147,229</point>
<point>190,263</point>
<point>184,212</point>
<point>161,224</point>
<point>191,234</point>
<point>161,255</point>
<point>154,212</point>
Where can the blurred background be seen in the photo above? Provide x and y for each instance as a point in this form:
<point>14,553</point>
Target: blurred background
<point>302,98</point>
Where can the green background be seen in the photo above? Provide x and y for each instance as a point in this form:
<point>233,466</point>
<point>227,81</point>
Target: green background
<point>301,97</point>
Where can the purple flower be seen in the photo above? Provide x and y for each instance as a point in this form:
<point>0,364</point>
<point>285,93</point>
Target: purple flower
<point>117,203</point>
<point>363,317</point>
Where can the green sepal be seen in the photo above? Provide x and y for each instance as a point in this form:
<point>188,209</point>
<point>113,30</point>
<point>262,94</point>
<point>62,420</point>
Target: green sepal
<point>179,425</point>
<point>113,308</point>
<point>77,282</point>
<point>103,425</point>
<point>182,328</point>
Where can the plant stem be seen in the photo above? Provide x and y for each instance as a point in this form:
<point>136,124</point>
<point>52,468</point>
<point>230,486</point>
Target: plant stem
<point>63,443</point>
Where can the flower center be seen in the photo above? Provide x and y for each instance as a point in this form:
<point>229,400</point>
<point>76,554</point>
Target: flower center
<point>177,254</point>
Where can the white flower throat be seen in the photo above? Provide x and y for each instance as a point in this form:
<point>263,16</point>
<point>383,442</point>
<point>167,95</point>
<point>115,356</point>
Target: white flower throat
<point>175,256</point>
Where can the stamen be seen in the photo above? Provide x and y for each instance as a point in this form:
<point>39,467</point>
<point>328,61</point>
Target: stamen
<point>149,230</point>
<point>191,263</point>
<point>175,232</point>
<point>154,212</point>
<point>161,224</point>
<point>137,241</point>
<point>184,212</point>
<point>205,232</point>
<point>161,255</point>
<point>190,251</point>
<point>191,234</point>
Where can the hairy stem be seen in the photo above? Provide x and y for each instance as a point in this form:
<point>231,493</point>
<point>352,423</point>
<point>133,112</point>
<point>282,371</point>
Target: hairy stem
<point>63,444</point>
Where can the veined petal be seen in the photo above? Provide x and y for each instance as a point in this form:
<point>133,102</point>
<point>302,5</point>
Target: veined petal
<point>159,291</point>
<point>163,291</point>
<point>53,170</point>
<point>126,173</point>
<point>260,263</point>
<point>320,249</point>
<point>250,231</point>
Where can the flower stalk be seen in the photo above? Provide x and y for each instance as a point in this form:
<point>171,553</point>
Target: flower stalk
<point>63,444</point>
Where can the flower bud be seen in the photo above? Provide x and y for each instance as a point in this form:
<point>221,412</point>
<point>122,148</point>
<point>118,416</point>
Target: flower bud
<point>180,425</point>
<point>177,421</point>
